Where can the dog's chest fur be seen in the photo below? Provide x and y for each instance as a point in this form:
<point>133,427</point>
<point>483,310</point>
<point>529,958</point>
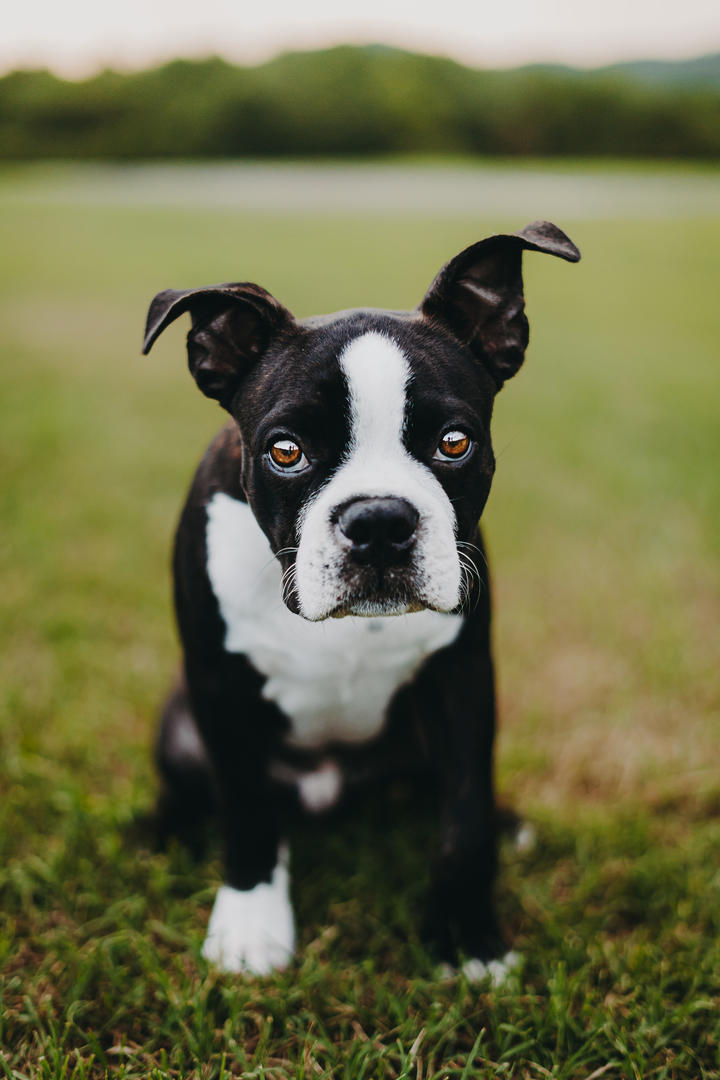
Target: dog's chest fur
<point>333,680</point>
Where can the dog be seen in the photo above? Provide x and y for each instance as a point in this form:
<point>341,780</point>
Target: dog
<point>331,586</point>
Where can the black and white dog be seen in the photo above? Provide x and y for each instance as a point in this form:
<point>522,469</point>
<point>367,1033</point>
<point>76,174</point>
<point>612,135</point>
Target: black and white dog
<point>331,587</point>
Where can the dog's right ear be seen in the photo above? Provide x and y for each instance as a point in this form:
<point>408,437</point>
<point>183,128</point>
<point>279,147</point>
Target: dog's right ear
<point>232,325</point>
<point>479,294</point>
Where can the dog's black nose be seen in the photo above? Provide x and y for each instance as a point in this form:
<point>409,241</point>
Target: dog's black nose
<point>380,530</point>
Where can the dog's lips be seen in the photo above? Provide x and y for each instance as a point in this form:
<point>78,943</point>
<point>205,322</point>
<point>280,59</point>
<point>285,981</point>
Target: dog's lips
<point>373,591</point>
<point>373,609</point>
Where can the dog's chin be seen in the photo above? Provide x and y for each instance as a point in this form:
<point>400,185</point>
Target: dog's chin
<point>376,608</point>
<point>366,607</point>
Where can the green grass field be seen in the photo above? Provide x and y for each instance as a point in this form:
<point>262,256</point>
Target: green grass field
<point>604,535</point>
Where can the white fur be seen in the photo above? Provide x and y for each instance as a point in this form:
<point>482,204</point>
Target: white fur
<point>333,679</point>
<point>377,464</point>
<point>318,789</point>
<point>525,838</point>
<point>474,970</point>
<point>185,741</point>
<point>253,930</point>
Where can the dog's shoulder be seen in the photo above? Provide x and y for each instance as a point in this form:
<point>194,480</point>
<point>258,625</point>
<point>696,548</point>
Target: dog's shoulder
<point>218,475</point>
<point>220,467</point>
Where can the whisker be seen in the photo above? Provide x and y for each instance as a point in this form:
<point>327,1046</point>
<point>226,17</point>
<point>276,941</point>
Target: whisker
<point>465,585</point>
<point>505,447</point>
<point>276,555</point>
<point>288,582</point>
<point>473,547</point>
<point>469,575</point>
<point>465,580</point>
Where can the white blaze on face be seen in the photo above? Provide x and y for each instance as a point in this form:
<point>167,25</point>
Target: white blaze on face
<point>377,464</point>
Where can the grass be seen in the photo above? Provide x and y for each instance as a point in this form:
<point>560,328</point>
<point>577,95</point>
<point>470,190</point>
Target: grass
<point>604,531</point>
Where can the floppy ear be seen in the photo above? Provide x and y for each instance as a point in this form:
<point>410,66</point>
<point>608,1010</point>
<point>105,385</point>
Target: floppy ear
<point>232,325</point>
<point>479,294</point>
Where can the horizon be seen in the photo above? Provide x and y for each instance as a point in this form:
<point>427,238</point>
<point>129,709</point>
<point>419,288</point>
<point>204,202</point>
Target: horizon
<point>125,68</point>
<point>80,38</point>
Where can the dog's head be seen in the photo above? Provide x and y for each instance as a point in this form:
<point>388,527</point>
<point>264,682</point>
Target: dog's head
<point>367,457</point>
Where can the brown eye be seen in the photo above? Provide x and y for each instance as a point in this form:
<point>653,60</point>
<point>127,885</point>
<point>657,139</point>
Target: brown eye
<point>286,454</point>
<point>453,445</point>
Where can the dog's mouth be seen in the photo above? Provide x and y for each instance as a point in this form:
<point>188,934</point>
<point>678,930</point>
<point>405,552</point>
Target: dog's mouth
<point>370,594</point>
<point>371,607</point>
<point>373,591</point>
<point>367,591</point>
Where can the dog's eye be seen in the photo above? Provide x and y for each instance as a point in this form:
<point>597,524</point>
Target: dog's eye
<point>453,445</point>
<point>287,455</point>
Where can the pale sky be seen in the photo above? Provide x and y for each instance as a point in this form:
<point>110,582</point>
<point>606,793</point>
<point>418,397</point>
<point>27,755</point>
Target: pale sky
<point>77,37</point>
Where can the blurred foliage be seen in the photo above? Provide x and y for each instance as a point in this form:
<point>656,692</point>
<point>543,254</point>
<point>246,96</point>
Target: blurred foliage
<point>362,100</point>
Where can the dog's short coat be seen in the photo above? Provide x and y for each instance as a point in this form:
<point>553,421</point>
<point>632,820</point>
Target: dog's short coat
<point>331,587</point>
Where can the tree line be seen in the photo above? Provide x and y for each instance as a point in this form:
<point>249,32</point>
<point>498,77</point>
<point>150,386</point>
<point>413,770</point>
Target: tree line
<point>353,100</point>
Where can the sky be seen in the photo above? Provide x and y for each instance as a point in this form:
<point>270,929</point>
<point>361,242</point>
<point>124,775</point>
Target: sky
<point>78,37</point>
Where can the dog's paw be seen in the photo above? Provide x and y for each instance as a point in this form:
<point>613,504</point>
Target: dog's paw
<point>525,838</point>
<point>475,970</point>
<point>252,931</point>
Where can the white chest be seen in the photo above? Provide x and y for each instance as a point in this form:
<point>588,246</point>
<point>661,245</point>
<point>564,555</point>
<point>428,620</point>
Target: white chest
<point>332,679</point>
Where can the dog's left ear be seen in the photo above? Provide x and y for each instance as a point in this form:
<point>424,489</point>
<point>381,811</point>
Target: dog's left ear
<point>232,325</point>
<point>479,296</point>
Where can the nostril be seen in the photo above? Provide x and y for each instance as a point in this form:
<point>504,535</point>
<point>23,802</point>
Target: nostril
<point>401,525</point>
<point>357,525</point>
<point>379,526</point>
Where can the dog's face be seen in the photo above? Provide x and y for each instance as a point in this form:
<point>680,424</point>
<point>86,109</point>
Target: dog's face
<point>367,453</point>
<point>367,457</point>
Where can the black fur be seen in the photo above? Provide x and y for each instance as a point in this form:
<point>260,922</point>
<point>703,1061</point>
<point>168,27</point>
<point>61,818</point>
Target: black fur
<point>275,374</point>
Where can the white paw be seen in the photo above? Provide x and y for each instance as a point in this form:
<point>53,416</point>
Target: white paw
<point>525,838</point>
<point>476,970</point>
<point>252,931</point>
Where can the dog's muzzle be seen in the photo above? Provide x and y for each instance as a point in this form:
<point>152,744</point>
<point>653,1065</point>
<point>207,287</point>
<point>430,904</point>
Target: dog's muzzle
<point>380,553</point>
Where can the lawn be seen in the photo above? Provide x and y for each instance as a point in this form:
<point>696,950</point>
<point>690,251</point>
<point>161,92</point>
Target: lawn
<point>604,533</point>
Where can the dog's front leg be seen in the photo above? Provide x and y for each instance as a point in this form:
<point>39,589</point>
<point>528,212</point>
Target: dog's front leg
<point>461,925</point>
<point>251,927</point>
